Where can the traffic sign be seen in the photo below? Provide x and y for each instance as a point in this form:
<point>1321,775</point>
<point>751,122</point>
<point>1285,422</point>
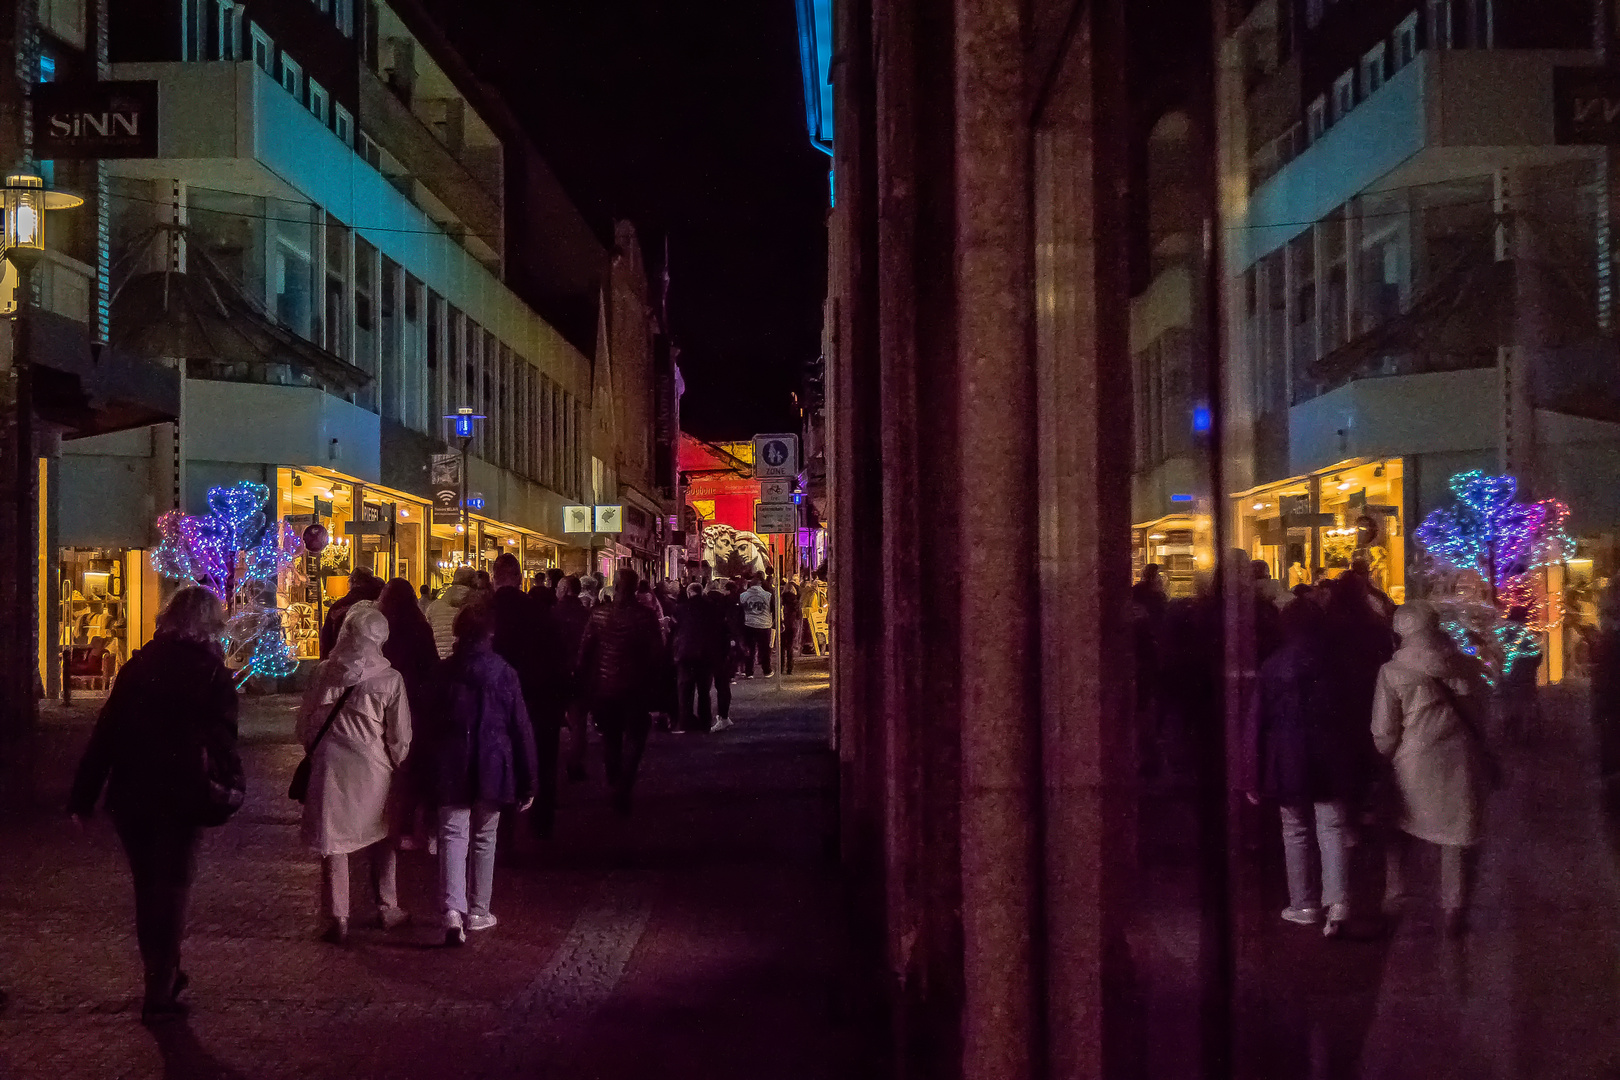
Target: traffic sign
<point>776,491</point>
<point>772,518</point>
<point>776,457</point>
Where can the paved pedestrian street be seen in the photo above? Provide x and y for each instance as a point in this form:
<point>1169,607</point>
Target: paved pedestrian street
<point>699,938</point>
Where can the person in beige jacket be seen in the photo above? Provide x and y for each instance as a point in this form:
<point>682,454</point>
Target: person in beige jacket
<point>354,766</point>
<point>1426,722</point>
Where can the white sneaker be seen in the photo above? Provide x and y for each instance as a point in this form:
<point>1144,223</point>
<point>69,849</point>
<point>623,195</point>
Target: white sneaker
<point>481,922</point>
<point>1338,917</point>
<point>720,724</point>
<point>454,934</point>
<point>1308,916</point>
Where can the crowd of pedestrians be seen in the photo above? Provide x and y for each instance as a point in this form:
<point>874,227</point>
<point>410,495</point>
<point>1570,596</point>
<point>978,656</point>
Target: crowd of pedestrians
<point>1360,721</point>
<point>428,720</point>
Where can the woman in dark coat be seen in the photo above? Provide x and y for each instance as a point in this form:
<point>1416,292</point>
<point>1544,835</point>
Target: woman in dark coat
<point>171,702</point>
<point>1305,749</point>
<point>482,760</point>
<point>411,651</point>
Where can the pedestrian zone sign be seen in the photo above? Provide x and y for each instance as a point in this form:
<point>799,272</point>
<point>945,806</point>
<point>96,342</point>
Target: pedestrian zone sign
<point>776,457</point>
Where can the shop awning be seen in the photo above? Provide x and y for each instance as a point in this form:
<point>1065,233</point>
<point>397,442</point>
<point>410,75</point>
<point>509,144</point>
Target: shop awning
<point>204,318</point>
<point>91,389</point>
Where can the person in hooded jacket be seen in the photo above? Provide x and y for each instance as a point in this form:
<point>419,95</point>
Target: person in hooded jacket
<point>483,753</point>
<point>1427,712</point>
<point>1303,748</point>
<point>354,765</point>
<point>441,614</point>
<point>363,585</point>
<point>173,697</point>
<point>412,652</point>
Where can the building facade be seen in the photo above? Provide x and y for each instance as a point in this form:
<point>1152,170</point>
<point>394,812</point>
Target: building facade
<point>341,239</point>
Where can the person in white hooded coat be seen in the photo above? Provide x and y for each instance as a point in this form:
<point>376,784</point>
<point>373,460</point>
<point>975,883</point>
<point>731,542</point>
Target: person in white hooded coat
<point>1426,721</point>
<point>354,766</point>
<point>441,614</point>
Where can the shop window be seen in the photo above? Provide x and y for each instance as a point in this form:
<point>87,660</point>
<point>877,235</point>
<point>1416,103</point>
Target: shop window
<point>338,324</point>
<point>293,234</point>
<point>95,623</point>
<point>230,230</point>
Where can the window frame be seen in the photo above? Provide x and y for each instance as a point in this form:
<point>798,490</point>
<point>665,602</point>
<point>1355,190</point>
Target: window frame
<point>343,124</point>
<point>292,77</point>
<point>1406,41</point>
<point>1344,94</point>
<point>263,50</point>
<point>1316,118</point>
<point>319,101</point>
<point>1371,72</point>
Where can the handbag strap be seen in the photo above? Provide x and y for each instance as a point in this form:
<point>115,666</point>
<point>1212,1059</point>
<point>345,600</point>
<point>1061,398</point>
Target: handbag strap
<point>1462,714</point>
<point>335,710</point>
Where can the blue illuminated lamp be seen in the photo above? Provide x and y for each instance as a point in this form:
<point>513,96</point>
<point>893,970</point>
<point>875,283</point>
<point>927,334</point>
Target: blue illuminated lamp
<point>464,418</point>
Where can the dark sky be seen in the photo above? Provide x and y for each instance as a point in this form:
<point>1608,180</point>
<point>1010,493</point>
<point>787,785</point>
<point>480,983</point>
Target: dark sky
<point>688,119</point>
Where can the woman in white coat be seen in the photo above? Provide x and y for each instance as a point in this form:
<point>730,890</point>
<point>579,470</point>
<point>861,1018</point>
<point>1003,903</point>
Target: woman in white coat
<point>354,765</point>
<point>1426,714</point>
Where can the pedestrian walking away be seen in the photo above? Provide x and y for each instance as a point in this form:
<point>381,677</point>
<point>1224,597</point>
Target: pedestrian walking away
<point>792,616</point>
<point>1426,722</point>
<point>482,748</point>
<point>701,643</point>
<point>519,632</point>
<point>620,655</point>
<point>1302,747</point>
<point>356,726</point>
<point>411,651</point>
<point>171,712</point>
<point>565,627</point>
<point>724,601</point>
<point>757,609</point>
<point>442,612</point>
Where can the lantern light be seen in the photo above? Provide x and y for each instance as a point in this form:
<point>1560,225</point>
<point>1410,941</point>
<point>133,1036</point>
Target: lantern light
<point>26,201</point>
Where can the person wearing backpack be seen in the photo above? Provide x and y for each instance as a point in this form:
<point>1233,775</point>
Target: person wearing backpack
<point>355,725</point>
<point>1426,721</point>
<point>164,749</point>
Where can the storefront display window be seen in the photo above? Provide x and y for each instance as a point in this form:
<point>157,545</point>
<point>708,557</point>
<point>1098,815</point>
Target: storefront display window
<point>96,593</point>
<point>1319,526</point>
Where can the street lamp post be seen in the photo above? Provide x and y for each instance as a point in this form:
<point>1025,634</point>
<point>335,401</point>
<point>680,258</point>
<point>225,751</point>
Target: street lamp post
<point>465,421</point>
<point>22,243</point>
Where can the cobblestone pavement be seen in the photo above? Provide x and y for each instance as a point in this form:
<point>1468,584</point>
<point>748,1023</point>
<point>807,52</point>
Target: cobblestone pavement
<point>699,938</point>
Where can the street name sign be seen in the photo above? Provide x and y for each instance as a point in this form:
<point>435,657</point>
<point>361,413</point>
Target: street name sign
<point>776,457</point>
<point>776,491</point>
<point>775,518</point>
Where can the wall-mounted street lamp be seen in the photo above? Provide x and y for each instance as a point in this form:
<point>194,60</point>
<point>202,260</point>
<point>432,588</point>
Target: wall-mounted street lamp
<point>26,201</point>
<point>466,427</point>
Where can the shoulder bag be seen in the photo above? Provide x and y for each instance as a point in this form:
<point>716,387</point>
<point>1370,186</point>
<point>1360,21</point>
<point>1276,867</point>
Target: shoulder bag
<point>298,790</point>
<point>1494,776</point>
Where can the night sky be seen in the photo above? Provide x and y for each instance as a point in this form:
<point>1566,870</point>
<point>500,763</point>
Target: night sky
<point>688,119</point>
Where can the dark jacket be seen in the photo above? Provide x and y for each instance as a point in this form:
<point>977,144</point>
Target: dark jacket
<point>367,589</point>
<point>1305,743</point>
<point>517,637</point>
<point>621,654</point>
<point>481,745</point>
<point>701,633</point>
<point>563,630</point>
<point>411,651</point>
<point>173,699</point>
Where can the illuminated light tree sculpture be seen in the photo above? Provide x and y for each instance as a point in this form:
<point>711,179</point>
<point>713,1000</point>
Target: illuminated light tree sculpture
<point>238,551</point>
<point>1493,549</point>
